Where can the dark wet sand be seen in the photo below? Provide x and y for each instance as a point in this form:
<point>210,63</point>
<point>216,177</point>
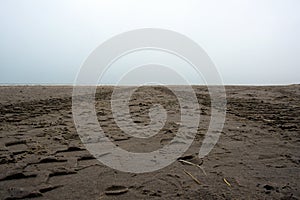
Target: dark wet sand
<point>257,154</point>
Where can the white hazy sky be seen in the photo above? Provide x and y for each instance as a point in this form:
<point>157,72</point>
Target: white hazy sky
<point>250,41</point>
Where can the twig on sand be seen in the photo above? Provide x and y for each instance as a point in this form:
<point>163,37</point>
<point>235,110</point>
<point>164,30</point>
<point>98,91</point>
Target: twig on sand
<point>193,177</point>
<point>202,170</point>
<point>187,162</point>
<point>226,182</point>
<point>193,164</point>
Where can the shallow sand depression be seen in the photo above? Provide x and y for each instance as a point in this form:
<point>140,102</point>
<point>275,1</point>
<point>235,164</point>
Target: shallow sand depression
<point>256,157</point>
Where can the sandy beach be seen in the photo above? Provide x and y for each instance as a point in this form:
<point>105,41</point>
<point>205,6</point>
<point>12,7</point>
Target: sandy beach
<point>257,155</point>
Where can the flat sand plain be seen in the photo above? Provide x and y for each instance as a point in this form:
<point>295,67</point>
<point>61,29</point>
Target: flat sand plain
<point>257,155</point>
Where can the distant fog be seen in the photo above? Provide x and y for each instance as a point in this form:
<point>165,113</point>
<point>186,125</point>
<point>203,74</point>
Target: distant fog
<point>250,41</point>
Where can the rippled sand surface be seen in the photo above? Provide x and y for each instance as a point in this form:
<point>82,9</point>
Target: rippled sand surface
<point>256,157</point>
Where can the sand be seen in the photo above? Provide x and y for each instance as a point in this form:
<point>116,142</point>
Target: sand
<point>257,155</point>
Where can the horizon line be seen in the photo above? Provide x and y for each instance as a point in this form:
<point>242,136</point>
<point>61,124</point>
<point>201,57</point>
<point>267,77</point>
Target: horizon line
<point>129,85</point>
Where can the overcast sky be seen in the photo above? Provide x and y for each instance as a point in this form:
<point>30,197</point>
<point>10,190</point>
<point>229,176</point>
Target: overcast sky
<point>250,41</point>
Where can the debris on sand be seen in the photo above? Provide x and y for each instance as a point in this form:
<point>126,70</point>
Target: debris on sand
<point>193,164</point>
<point>193,177</point>
<point>224,179</point>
